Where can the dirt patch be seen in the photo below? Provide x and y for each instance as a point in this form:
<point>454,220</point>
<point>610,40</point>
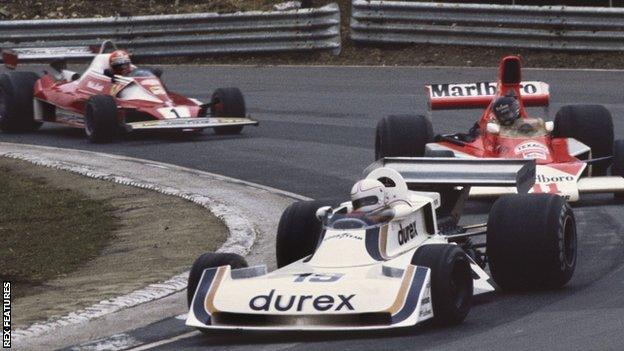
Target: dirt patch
<point>40,9</point>
<point>45,231</point>
<point>158,236</point>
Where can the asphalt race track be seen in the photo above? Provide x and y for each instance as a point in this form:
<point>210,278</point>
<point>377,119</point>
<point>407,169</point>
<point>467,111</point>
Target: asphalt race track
<point>316,135</point>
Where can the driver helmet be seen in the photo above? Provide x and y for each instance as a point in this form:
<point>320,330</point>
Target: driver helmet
<point>368,195</point>
<point>120,62</point>
<point>506,109</point>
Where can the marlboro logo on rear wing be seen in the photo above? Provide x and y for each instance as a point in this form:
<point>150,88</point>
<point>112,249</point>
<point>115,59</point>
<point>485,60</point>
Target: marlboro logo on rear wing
<point>479,95</point>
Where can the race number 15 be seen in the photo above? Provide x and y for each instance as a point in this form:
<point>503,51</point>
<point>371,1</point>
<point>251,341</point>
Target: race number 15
<point>317,277</point>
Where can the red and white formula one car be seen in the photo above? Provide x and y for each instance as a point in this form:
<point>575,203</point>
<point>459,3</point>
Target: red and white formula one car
<point>573,153</point>
<point>105,104</point>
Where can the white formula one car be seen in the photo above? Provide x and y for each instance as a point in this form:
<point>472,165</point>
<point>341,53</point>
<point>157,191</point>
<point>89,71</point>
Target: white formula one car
<point>346,268</point>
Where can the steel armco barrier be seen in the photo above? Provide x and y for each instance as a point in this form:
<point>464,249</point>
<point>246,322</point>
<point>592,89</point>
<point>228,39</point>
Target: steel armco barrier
<point>531,27</point>
<point>186,34</point>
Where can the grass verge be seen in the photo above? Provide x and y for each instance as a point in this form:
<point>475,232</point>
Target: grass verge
<point>46,232</point>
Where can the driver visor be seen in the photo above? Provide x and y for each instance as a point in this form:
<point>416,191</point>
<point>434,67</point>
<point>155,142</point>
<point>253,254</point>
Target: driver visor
<point>365,201</point>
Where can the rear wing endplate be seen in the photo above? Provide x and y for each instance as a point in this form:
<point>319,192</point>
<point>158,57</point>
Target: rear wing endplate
<point>420,171</point>
<point>480,94</point>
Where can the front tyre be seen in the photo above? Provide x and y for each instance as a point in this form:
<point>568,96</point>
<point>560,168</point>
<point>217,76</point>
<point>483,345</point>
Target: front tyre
<point>16,102</point>
<point>402,136</point>
<point>298,232</point>
<point>210,260</point>
<point>531,242</point>
<point>101,122</point>
<point>228,102</point>
<point>451,281</point>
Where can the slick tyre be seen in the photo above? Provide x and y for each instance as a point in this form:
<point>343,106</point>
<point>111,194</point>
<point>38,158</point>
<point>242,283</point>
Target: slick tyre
<point>210,260</point>
<point>402,135</point>
<point>531,242</point>
<point>228,102</point>
<point>590,124</point>
<point>451,281</point>
<point>16,102</point>
<point>617,166</point>
<point>101,123</point>
<point>298,232</point>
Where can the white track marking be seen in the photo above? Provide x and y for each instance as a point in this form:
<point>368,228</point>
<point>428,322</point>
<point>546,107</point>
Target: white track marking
<point>165,342</point>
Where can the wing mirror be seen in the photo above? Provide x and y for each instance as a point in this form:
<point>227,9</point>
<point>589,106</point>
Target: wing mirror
<point>322,212</point>
<point>109,74</point>
<point>550,126</point>
<point>493,128</point>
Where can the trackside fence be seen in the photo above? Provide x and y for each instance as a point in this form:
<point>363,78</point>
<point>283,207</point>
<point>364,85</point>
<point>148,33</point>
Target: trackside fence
<point>530,27</point>
<point>186,34</point>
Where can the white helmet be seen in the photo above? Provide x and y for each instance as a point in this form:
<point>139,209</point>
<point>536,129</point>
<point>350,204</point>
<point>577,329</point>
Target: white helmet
<point>368,195</point>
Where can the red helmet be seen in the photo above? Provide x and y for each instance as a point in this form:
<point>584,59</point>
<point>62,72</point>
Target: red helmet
<point>120,62</point>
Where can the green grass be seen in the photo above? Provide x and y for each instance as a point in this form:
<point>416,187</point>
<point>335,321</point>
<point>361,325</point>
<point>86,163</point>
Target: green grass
<point>45,231</point>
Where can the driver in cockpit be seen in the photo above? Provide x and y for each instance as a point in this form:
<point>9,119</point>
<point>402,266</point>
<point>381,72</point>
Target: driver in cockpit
<point>371,196</point>
<point>506,110</point>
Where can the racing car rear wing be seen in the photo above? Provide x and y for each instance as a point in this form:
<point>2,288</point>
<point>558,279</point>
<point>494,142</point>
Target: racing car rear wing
<point>428,171</point>
<point>480,94</point>
<point>11,57</point>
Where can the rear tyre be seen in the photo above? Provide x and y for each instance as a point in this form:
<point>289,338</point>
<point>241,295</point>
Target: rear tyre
<point>531,242</point>
<point>210,260</point>
<point>228,102</point>
<point>617,166</point>
<point>451,281</point>
<point>16,102</point>
<point>101,123</point>
<point>298,232</point>
<point>590,124</point>
<point>402,135</point>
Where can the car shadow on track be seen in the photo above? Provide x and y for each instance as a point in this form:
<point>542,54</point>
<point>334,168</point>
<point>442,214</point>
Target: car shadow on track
<point>144,137</point>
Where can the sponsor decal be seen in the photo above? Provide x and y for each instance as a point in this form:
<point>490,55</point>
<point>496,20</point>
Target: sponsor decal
<point>532,149</point>
<point>408,233</point>
<point>95,86</point>
<point>6,314</point>
<point>343,236</point>
<point>283,303</point>
<point>157,90</point>
<point>476,89</point>
<point>540,178</point>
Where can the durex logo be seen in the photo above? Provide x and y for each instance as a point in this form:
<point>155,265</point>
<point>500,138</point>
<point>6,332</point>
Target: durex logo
<point>283,303</point>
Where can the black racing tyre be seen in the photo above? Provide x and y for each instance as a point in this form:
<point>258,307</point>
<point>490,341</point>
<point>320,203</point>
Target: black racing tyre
<point>210,260</point>
<point>531,242</point>
<point>16,102</point>
<point>402,135</point>
<point>439,153</point>
<point>298,232</point>
<point>617,166</point>
<point>228,102</point>
<point>451,281</point>
<point>590,124</point>
<point>101,122</point>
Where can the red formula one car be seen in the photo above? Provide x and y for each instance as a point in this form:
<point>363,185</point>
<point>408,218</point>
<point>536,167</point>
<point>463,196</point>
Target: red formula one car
<point>105,104</point>
<point>573,154</point>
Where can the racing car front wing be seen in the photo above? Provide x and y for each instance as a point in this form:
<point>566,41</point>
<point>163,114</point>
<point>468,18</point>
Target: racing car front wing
<point>192,123</point>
